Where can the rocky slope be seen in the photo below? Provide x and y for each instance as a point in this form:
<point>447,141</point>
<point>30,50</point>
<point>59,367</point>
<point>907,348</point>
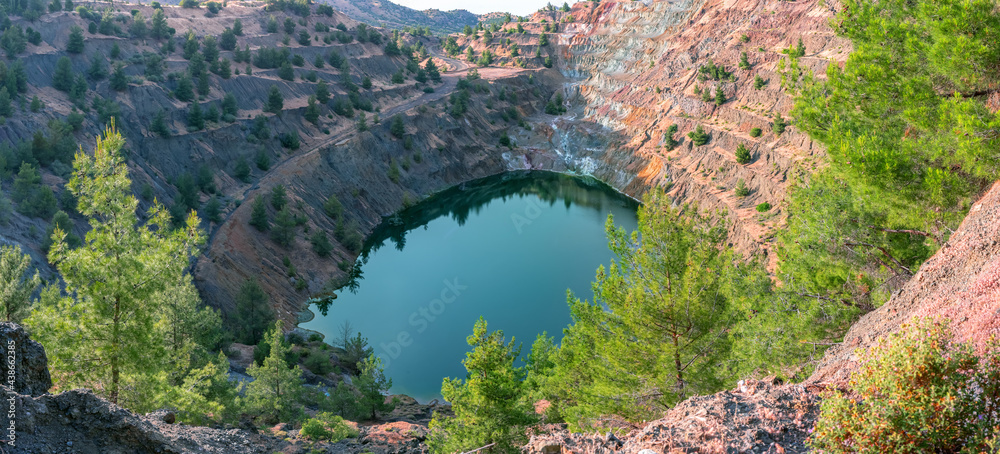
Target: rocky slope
<point>388,14</point>
<point>632,68</point>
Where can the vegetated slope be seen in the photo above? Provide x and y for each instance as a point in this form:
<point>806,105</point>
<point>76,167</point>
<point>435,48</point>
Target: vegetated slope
<point>388,14</point>
<point>634,70</point>
<point>959,282</point>
<point>231,159</point>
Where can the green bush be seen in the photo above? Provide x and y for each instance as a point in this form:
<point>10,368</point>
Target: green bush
<point>741,189</point>
<point>699,137</point>
<point>916,391</point>
<point>755,132</point>
<point>328,427</point>
<point>743,155</point>
<point>763,207</point>
<point>318,362</point>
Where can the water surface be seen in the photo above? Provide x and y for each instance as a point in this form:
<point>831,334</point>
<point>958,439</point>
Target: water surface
<point>505,247</point>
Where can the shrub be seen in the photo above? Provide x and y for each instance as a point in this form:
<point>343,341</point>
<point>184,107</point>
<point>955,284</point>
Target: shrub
<point>916,391</point>
<point>699,137</point>
<point>743,155</point>
<point>332,207</point>
<point>763,207</point>
<point>741,189</point>
<point>779,124</point>
<point>755,132</point>
<point>318,362</point>
<point>326,426</point>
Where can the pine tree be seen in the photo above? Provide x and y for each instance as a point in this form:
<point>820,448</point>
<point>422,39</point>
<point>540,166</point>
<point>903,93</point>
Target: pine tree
<point>138,28</point>
<point>699,137</point>
<point>258,214</point>
<point>283,231</point>
<point>118,80</point>
<point>16,285</point>
<point>185,89</point>
<point>720,96</point>
<point>668,138</point>
<point>159,125</point>
<point>238,27</point>
<point>276,388</point>
<point>229,105</point>
<point>372,383</point>
<point>489,405</point>
<point>158,25</point>
<point>312,110</point>
<point>5,107</point>
<point>253,313</point>
<point>75,43</point>
<point>743,155</point>
<point>397,129</point>
<point>657,329</point>
<point>744,63</point>
<point>111,279</point>
<point>322,92</point>
<point>279,197</point>
<point>275,102</point>
<point>195,119</point>
<point>62,78</point>
<point>321,243</point>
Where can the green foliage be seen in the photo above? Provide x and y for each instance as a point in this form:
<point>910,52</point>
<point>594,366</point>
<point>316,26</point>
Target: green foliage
<point>62,78</point>
<point>741,189</point>
<point>61,221</point>
<point>111,281</point>
<point>185,89</point>
<point>275,102</point>
<point>312,110</point>
<point>322,92</point>
<point>279,197</point>
<point>699,137</point>
<point>744,63</point>
<point>332,207</point>
<point>397,129</point>
<point>489,405</point>
<point>283,231</point>
<point>711,71</point>
<point>195,121</point>
<point>32,197</point>
<point>763,207</point>
<point>327,427</point>
<point>258,214</point>
<point>118,80</point>
<point>758,82</point>
<point>720,96</point>
<point>286,72</point>
<point>159,125</point>
<point>242,170</point>
<point>75,43</point>
<point>321,243</point>
<point>755,132</point>
<point>16,285</point>
<point>743,155</point>
<point>668,138</point>
<point>253,313</point>
<point>372,384</point>
<point>778,126</point>
<point>274,393</point>
<point>916,391</point>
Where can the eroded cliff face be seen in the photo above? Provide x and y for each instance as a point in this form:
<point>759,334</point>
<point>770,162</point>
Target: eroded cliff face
<point>631,70</point>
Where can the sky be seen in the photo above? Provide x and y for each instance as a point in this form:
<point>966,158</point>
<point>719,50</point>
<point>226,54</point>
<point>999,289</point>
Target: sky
<point>519,7</point>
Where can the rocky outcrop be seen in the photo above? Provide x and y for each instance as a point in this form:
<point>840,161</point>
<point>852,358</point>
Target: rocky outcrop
<point>25,368</point>
<point>757,416</point>
<point>961,283</point>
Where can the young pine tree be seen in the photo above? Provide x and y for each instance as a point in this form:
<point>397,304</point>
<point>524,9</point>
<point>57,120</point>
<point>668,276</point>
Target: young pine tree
<point>103,334</point>
<point>276,389</point>
<point>489,405</point>
<point>16,285</point>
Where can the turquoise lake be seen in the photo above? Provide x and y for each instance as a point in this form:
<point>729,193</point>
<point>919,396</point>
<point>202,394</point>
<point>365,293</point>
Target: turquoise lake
<point>506,248</point>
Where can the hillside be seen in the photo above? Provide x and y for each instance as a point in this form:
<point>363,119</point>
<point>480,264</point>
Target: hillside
<point>390,15</point>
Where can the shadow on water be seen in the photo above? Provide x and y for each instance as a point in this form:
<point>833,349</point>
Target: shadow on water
<point>461,201</point>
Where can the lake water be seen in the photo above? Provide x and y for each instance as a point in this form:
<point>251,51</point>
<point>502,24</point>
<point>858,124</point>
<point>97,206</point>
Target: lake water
<point>505,247</point>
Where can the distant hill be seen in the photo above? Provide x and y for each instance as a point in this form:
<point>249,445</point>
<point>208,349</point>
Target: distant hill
<point>379,12</point>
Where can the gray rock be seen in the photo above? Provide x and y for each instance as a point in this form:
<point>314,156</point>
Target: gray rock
<point>30,365</point>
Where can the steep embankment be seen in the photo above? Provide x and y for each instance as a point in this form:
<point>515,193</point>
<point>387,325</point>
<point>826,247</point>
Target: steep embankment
<point>632,70</point>
<point>960,282</point>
